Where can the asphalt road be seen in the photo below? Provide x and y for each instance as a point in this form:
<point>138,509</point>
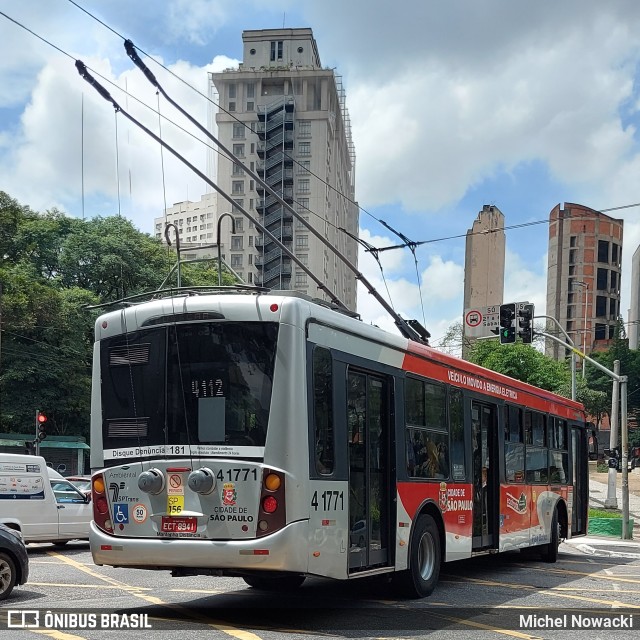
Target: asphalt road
<point>481,598</point>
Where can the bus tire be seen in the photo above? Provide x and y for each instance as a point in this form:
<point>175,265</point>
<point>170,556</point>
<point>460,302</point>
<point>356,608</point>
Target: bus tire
<point>549,551</point>
<point>8,575</point>
<point>276,583</point>
<point>425,556</point>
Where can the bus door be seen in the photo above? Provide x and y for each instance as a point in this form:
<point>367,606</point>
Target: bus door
<point>579,480</point>
<point>486,495</point>
<point>368,412</point>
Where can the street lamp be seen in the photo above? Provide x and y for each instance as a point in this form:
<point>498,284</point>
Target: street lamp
<point>585,286</point>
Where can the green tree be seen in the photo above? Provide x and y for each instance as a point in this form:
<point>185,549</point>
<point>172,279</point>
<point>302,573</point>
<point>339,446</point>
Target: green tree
<point>111,258</point>
<point>522,362</point>
<point>52,268</point>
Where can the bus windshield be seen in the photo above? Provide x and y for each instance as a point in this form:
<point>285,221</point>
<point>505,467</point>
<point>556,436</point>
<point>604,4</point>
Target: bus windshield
<point>201,389</point>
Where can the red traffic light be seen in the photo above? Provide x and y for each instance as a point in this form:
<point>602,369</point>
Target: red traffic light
<point>42,418</point>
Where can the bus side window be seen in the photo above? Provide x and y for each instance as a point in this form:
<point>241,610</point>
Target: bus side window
<point>323,411</point>
<point>513,445</point>
<point>456,429</point>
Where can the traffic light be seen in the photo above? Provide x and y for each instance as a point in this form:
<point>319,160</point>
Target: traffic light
<point>507,323</point>
<point>41,419</point>
<point>525,323</point>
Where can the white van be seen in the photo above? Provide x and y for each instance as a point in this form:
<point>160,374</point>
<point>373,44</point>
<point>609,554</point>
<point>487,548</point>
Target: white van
<point>40,503</point>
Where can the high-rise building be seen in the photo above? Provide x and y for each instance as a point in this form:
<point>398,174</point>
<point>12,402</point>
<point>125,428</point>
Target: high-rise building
<point>583,276</point>
<point>634,310</point>
<point>484,263</point>
<point>285,116</point>
<point>196,224</point>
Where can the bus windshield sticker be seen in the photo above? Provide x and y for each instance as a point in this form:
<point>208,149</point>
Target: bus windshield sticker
<point>231,451</point>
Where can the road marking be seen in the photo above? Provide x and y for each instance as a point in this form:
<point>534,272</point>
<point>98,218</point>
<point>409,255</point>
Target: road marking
<point>235,632</point>
<point>57,635</point>
<point>81,586</point>
<point>585,574</point>
<point>551,592</point>
<point>479,625</point>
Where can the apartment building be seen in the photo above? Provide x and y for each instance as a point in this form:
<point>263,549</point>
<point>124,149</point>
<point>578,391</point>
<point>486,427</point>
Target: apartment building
<point>583,276</point>
<point>285,117</point>
<point>196,223</point>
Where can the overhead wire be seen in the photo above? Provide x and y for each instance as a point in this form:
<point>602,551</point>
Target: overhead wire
<point>244,124</point>
<point>160,115</point>
<point>412,245</point>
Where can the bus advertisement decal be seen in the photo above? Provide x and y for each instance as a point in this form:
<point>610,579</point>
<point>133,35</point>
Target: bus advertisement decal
<point>519,505</point>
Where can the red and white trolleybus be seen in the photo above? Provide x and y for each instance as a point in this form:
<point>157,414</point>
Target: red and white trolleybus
<point>267,436</point>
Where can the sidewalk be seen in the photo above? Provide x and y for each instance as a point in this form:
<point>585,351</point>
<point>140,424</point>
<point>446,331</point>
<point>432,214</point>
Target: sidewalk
<point>598,495</point>
<point>606,545</point>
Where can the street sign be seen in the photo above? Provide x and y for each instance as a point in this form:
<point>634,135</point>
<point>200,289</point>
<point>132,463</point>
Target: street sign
<point>479,322</point>
<point>484,322</point>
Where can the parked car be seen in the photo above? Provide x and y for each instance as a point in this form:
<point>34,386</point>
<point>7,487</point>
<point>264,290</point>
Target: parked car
<point>14,561</point>
<point>81,482</point>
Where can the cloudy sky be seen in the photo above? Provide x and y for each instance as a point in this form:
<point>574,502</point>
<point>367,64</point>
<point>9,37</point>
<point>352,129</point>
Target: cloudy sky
<point>454,104</point>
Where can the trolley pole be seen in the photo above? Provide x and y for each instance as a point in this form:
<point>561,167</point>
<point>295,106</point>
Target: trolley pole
<point>36,446</point>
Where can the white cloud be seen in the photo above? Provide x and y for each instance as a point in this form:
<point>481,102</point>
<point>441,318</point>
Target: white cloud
<point>522,284</point>
<point>442,97</point>
<point>48,149</point>
<point>441,286</point>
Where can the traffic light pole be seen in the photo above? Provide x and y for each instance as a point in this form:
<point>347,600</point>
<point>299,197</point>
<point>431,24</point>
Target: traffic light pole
<point>36,441</point>
<point>611,501</point>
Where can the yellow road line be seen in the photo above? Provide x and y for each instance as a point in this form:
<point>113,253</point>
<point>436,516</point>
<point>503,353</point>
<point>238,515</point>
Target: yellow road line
<point>57,635</point>
<point>486,627</point>
<point>66,585</point>
<point>551,592</point>
<point>235,632</point>
<point>586,574</point>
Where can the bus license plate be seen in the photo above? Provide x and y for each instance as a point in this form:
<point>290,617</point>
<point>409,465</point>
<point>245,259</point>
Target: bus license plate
<point>179,525</point>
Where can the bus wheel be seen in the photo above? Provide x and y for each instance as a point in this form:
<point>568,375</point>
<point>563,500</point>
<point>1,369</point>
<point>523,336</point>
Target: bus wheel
<point>420,579</point>
<point>278,583</point>
<point>549,551</point>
